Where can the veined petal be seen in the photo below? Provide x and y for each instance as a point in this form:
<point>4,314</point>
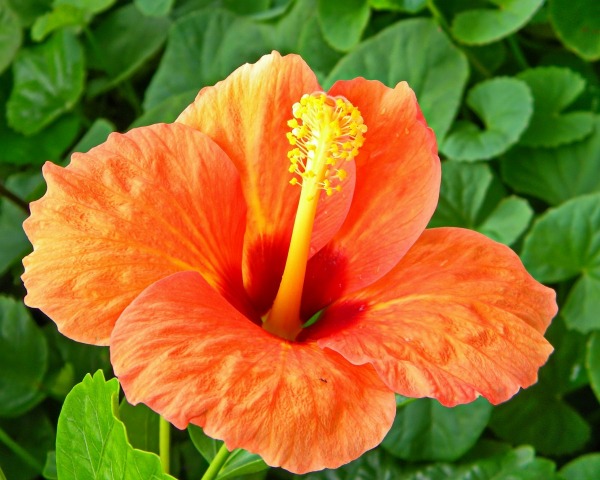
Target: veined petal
<point>184,351</point>
<point>247,115</point>
<point>397,188</point>
<point>458,317</point>
<point>133,210</point>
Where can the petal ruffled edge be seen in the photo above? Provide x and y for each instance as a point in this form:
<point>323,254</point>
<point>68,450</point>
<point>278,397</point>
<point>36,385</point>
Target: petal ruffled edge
<point>184,351</point>
<point>131,211</point>
<point>458,317</point>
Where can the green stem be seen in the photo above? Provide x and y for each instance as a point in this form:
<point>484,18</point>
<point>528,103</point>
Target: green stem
<point>20,452</point>
<point>217,464</point>
<point>517,52</point>
<point>164,444</point>
<point>5,192</point>
<point>438,16</point>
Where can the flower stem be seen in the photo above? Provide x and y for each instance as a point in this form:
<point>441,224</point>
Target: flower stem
<point>217,464</point>
<point>20,452</point>
<point>164,444</point>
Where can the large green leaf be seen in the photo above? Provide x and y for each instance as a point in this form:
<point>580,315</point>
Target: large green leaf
<point>592,362</point>
<point>564,243</point>
<point>585,467</point>
<point>154,8</point>
<point>505,106</point>
<point>28,10</point>
<point>239,462</point>
<point>578,25</point>
<point>416,51</point>
<point>203,48</point>
<point>24,359</point>
<point>119,56</point>
<point>544,421</point>
<point>554,89</point>
<point>91,441</point>
<point>472,197</point>
<point>425,430</point>
<point>142,425</point>
<point>48,80</point>
<point>556,175</point>
<point>10,35</point>
<point>343,21</point>
<point>487,25</point>
<point>411,6</point>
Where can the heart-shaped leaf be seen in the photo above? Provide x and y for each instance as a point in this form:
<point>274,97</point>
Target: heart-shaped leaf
<point>554,89</point>
<point>504,105</point>
<point>577,25</point>
<point>343,21</point>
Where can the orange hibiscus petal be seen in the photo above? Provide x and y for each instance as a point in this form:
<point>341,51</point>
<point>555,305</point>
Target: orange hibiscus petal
<point>397,187</point>
<point>183,350</point>
<point>247,115</point>
<point>458,317</point>
<point>135,209</point>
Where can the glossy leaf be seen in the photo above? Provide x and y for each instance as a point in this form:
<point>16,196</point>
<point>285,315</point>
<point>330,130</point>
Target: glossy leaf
<point>411,6</point>
<point>585,467</point>
<point>471,197</point>
<point>425,430</point>
<point>485,25</point>
<point>504,106</point>
<point>564,243</point>
<point>577,25</point>
<point>592,362</point>
<point>10,35</point>
<point>154,8</point>
<point>238,463</point>
<point>119,56</point>
<point>343,21</point>
<point>48,80</point>
<point>437,70</point>
<point>555,175</point>
<point>203,48</point>
<point>554,89</point>
<point>24,359</point>
<point>91,441</point>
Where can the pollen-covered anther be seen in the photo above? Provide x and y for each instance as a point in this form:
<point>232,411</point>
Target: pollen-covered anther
<point>325,131</point>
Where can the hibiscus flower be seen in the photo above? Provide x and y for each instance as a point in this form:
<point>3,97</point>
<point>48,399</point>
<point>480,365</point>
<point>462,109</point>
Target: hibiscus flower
<point>282,318</point>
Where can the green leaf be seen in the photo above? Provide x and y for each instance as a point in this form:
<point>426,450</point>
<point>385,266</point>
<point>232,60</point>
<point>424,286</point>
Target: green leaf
<point>563,243</point>
<point>167,111</point>
<point>592,362</point>
<point>585,467</point>
<point>23,356</point>
<point>49,471</point>
<point>154,8</point>
<point>472,197</point>
<point>47,144</point>
<point>28,10</point>
<point>246,8</point>
<point>566,368</point>
<point>555,175</point>
<point>202,49</point>
<point>577,24</point>
<point>120,56</point>
<point>417,51</point>
<point>91,441</point>
<point>504,105</point>
<point>10,35</point>
<point>48,80</point>
<point>343,21</point>
<point>13,242</point>
<point>34,436</point>
<point>544,421</point>
<point>554,89</point>
<point>486,25</point>
<point>142,425</point>
<point>239,462</point>
<point>410,6</point>
<point>508,221</point>
<point>425,430</point>
<point>314,49</point>
<point>97,133</point>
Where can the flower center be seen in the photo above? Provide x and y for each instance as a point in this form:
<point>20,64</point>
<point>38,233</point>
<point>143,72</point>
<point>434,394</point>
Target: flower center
<point>326,132</point>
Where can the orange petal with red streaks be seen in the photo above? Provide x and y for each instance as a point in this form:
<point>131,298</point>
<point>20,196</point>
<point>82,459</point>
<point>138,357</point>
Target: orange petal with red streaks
<point>397,188</point>
<point>133,210</point>
<point>184,351</point>
<point>458,317</point>
<point>247,115</point>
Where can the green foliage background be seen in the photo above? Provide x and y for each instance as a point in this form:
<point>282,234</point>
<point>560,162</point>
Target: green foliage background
<point>511,89</point>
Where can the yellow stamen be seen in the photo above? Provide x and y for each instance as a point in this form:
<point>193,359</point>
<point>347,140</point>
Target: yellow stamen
<point>326,132</point>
